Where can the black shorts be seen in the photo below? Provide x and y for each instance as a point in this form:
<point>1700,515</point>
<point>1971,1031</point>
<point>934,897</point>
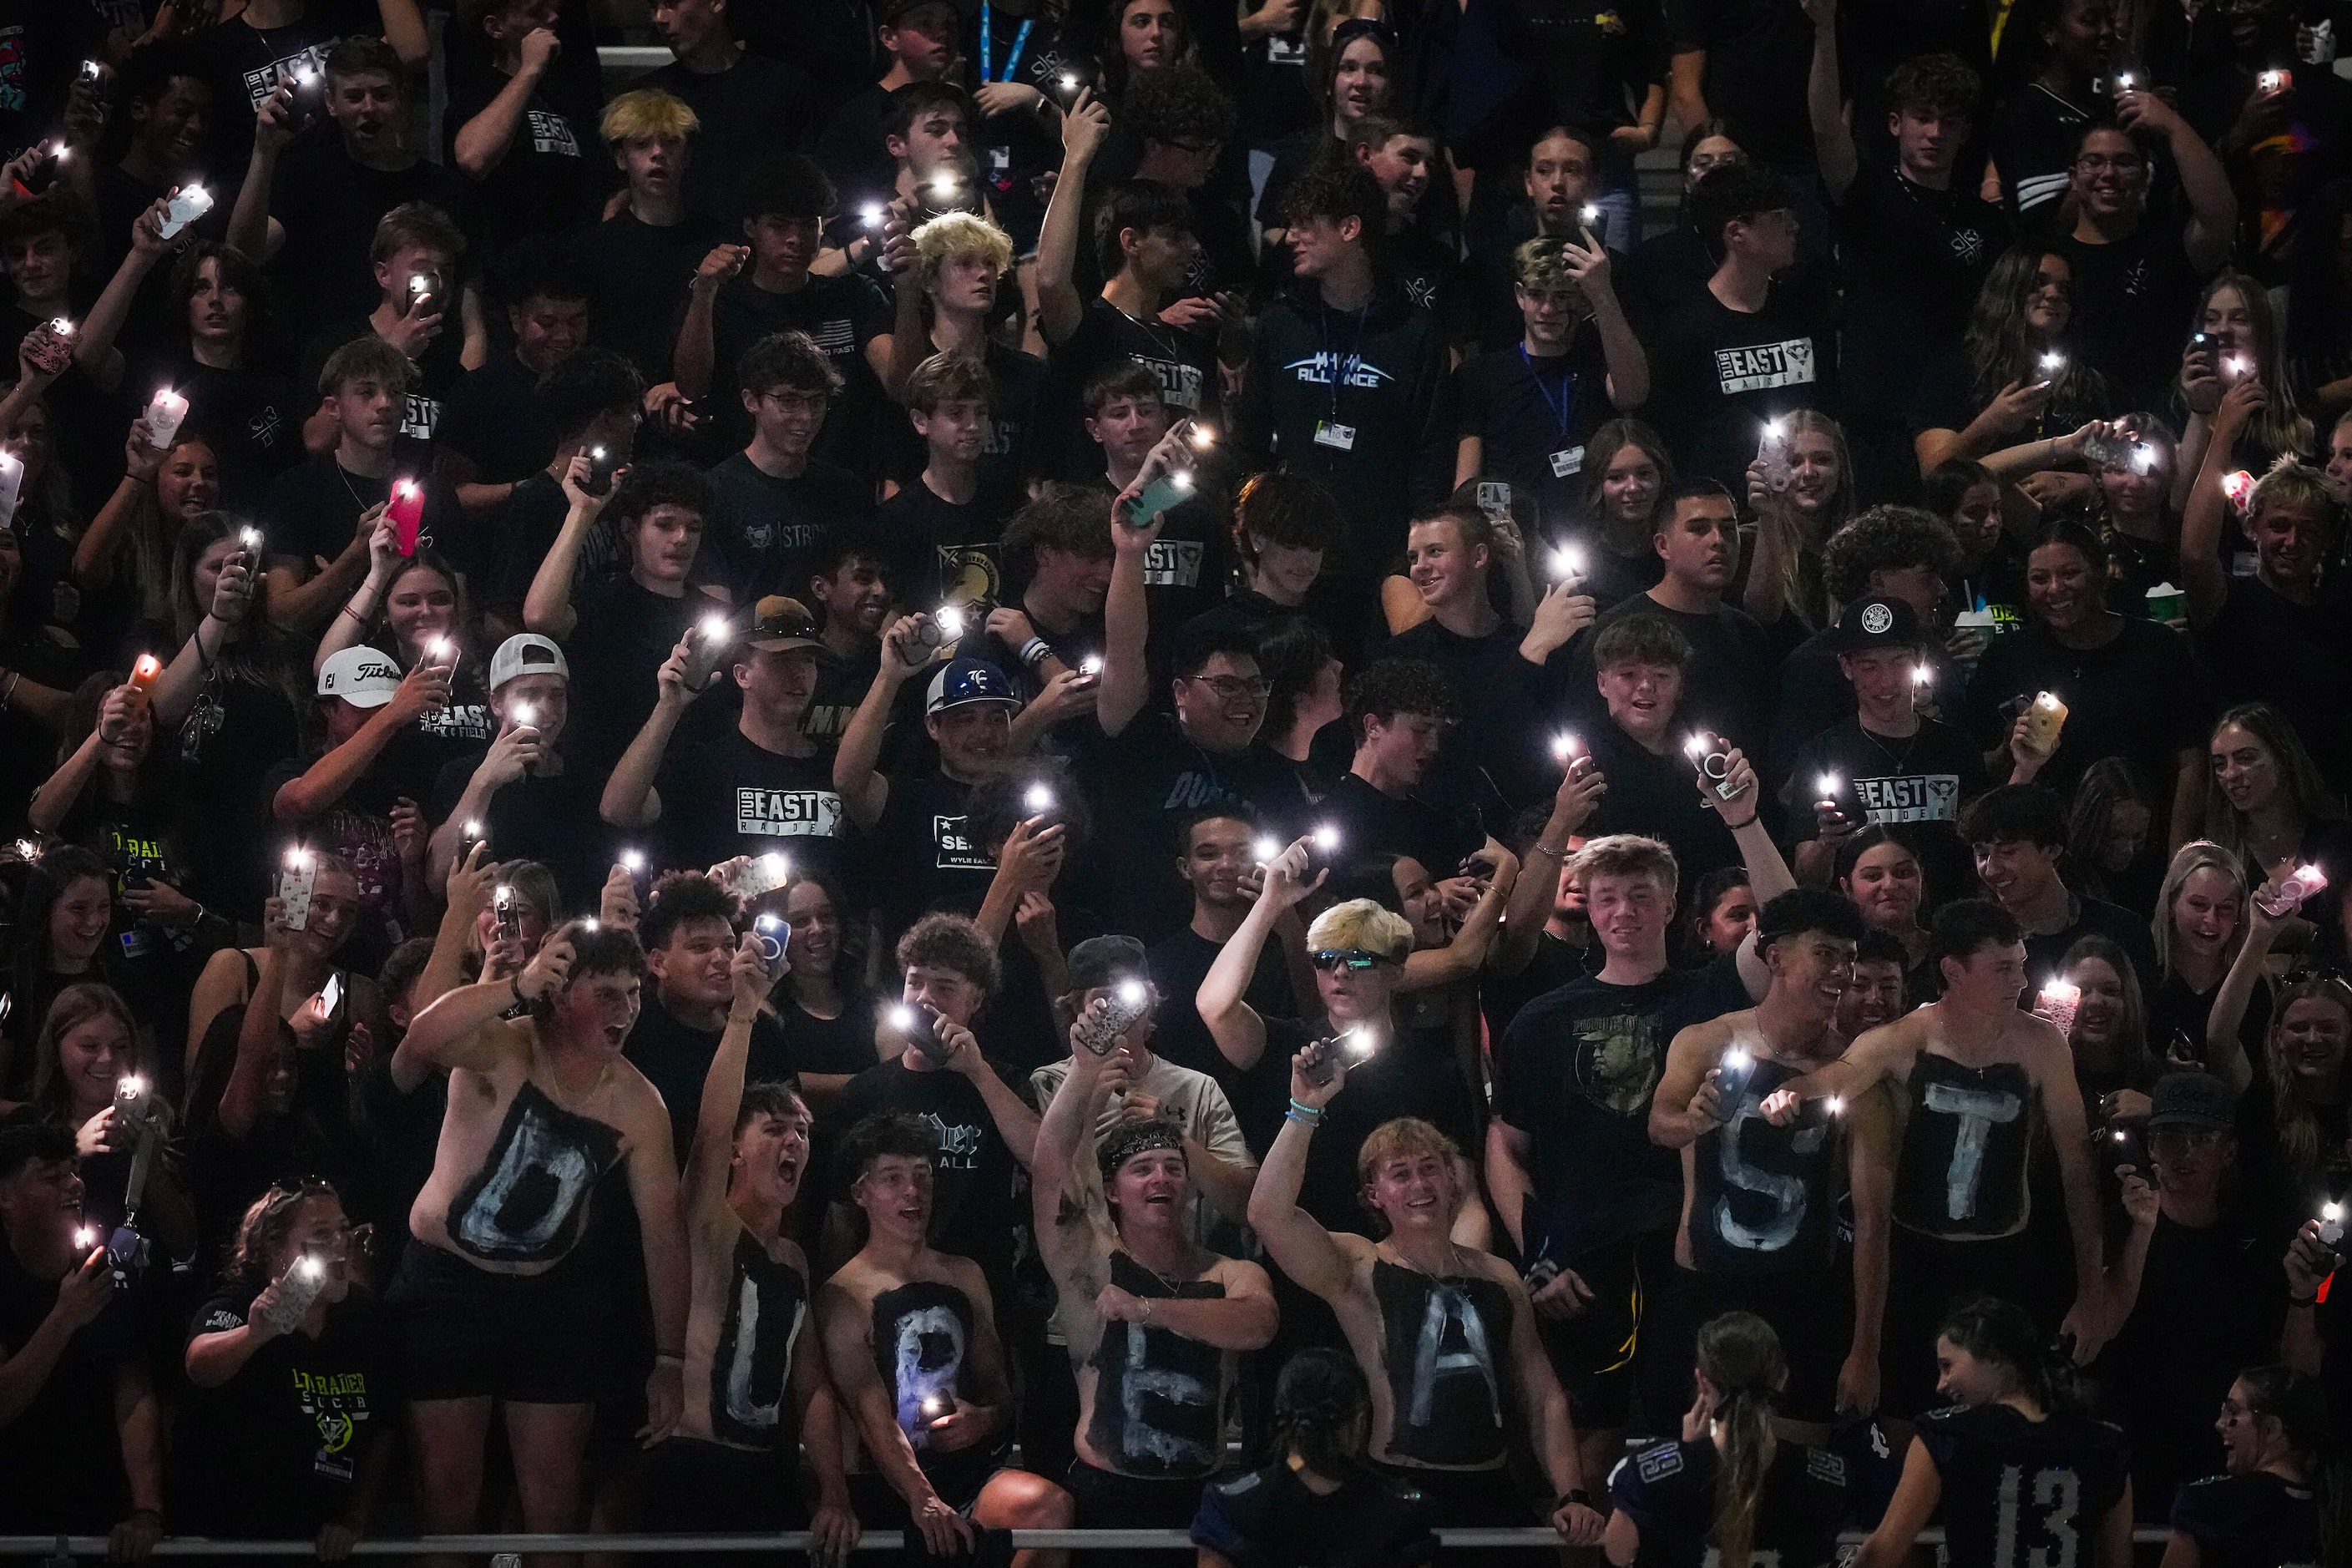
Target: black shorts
<point>1813,1314</point>
<point>1108,1500</point>
<point>693,1487</point>
<point>958,1478</point>
<point>1468,1499</point>
<point>1593,1352</point>
<point>538,1339</point>
<point>1925,1277</point>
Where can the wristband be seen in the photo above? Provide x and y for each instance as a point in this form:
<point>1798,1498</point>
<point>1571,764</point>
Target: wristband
<point>1576,1496</point>
<point>2302,1301</point>
<point>514,984</point>
<point>1034,652</point>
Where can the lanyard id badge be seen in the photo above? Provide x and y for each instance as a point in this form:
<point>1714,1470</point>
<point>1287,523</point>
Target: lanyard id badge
<point>987,47</point>
<point>1567,462</point>
<point>1330,432</point>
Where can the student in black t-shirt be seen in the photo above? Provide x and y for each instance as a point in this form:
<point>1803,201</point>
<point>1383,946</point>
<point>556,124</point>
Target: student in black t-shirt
<point>2018,394</point>
<point>1749,347</point>
<point>424,307</point>
<point>743,293</point>
<point>1887,763</point>
<point>962,266</point>
<point>2018,833</point>
<point>84,1448</point>
<point>775,501</point>
<point>325,192</point>
<point>520,794</point>
<point>591,402</point>
<point>521,131</point>
<point>1061,547</point>
<point>633,618</point>
<point>1402,155</point>
<point>946,532</point>
<point>294,1419</point>
<point>2278,636</point>
<point>1559,176</point>
<point>764,786</point>
<point>2135,274</point>
<point>919,39</point>
<point>1180,119</point>
<point>169,107</point>
<point>1577,353</point>
<point>1398,711</point>
<point>1917,241</point>
<point>850,583</point>
<point>642,258</point>
<point>496,427</point>
<point>316,525</point>
<point>751,106</point>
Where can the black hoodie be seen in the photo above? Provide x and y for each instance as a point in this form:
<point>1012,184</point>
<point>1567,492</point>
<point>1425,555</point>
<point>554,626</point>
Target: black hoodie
<point>1393,408</point>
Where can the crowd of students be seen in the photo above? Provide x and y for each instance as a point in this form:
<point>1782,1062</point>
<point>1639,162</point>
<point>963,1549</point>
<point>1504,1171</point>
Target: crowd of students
<point>999,766</point>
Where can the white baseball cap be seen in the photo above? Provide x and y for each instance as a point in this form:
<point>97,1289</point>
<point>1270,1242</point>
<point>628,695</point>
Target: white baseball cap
<point>360,676</point>
<point>526,653</point>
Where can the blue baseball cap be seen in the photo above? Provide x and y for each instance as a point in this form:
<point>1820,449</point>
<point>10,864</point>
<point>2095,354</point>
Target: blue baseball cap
<point>961,682</point>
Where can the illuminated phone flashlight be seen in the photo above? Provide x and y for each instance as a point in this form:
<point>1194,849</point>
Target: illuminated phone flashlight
<point>1564,747</point>
<point>769,923</point>
<point>1826,788</point>
<point>1091,665</point>
<point>1038,798</point>
<point>1695,747</point>
<point>902,1017</point>
<point>1132,993</point>
<point>1568,563</point>
<point>474,829</point>
<point>945,186</point>
<point>589,925</point>
<point>29,850</point>
<point>1182,478</point>
<point>715,628</point>
<point>60,326</point>
<point>439,650</point>
<point>1264,849</point>
<point>775,868</point>
<point>524,715</point>
<point>1922,675</point>
<point>1069,82</point>
<point>2236,365</point>
<point>936,1406</point>
<point>633,861</point>
<point>2331,1223</point>
<point>948,620</point>
<point>873,215</point>
<point>1204,436</point>
<point>85,1238</point>
<point>130,1086</point>
<point>2238,486</point>
<point>1590,214</point>
<point>1837,1104</point>
<point>2052,363</point>
<point>296,858</point>
<point>1359,1042</point>
<point>250,537</point>
<point>2123,81</point>
<point>310,1268</point>
<point>1326,837</point>
<point>2274,80</point>
<point>2121,1136</point>
<point>2143,458</point>
<point>595,454</point>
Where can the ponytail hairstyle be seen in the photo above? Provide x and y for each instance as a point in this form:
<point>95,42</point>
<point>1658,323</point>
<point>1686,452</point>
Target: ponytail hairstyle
<point>1740,1357</point>
<point>1322,1413</point>
<point>2299,1405</point>
<point>1992,1329</point>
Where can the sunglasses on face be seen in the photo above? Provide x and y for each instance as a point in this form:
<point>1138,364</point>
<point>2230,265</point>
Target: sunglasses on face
<point>1331,960</point>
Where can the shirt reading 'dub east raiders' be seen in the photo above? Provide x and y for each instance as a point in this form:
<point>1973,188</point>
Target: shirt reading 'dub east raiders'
<point>1719,374</point>
<point>728,796</point>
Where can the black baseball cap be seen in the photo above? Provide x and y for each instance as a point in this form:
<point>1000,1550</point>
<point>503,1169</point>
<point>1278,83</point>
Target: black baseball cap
<point>1878,621</point>
<point>2196,1099</point>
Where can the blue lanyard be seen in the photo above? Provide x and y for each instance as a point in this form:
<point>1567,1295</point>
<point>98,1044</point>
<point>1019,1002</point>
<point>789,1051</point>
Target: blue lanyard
<point>1571,393</point>
<point>1355,352</point>
<point>1012,60</point>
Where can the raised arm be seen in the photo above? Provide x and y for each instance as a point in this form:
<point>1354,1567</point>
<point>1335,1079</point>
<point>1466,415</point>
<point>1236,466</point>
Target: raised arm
<point>2212,226</point>
<point>2204,580</point>
<point>1467,954</point>
<point>482,143</point>
<point>547,608</point>
<point>709,1162</point>
<point>1233,1023</point>
<point>1013,1120</point>
<point>1059,310</point>
<point>2225,1053</point>
<point>694,360</point>
<point>1127,617</point>
<point>1312,1256</point>
<point>424,690</point>
<point>863,789</point>
<point>94,348</point>
<point>1826,104</point>
<point>629,799</point>
<point>301,603</point>
<point>461,1028</point>
<point>133,497</point>
<point>175,692</point>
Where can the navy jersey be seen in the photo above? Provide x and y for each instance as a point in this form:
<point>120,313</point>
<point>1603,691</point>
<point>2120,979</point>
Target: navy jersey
<point>1667,1489</point>
<point>2249,1521</point>
<point>1764,1198</point>
<point>2020,1493</point>
<point>1965,1146</point>
<point>1267,1519</point>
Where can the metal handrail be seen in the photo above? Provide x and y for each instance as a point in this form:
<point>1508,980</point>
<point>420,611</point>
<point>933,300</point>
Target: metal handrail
<point>780,1540</point>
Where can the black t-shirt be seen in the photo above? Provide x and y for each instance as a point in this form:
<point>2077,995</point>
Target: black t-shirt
<point>2044,955</point>
<point>1916,783</point>
<point>243,65</point>
<point>329,205</point>
<point>1668,1492</point>
<point>2140,697</point>
<point>1267,1519</point>
<point>2014,1485</point>
<point>551,820</point>
<point>763,529</point>
<point>972,1211</point>
<point>61,1454</point>
<point>2264,647</point>
<point>1656,795</point>
<point>675,1058</point>
<point>1185,364</point>
<point>1491,754</point>
<point>493,418</point>
<point>546,182</point>
<point>1180,961</point>
<point>1718,375</point>
<point>276,1451</point>
<point>1728,688</point>
<point>2034,135</point>
<point>1438,836</point>
<point>2131,300</point>
<point>253,416</point>
<point>1010,450</point>
<point>625,633</point>
<point>641,273</point>
<point>1914,258</point>
<point>842,315</point>
<point>839,1044</point>
<point>851,146</point>
<point>922,860</point>
<point>441,369</point>
<point>2257,1521</point>
<point>512,541</point>
<point>1576,1074</point>
<point>1758,55</point>
<point>728,796</point>
<point>946,551</point>
<point>753,111</point>
<point>1533,417</point>
<point>314,508</point>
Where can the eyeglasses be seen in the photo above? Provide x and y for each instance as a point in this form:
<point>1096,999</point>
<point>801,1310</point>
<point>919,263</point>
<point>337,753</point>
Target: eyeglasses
<point>2100,162</point>
<point>1702,162</point>
<point>2233,1411</point>
<point>794,400</point>
<point>2185,1138</point>
<point>1331,960</point>
<point>1231,686</point>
